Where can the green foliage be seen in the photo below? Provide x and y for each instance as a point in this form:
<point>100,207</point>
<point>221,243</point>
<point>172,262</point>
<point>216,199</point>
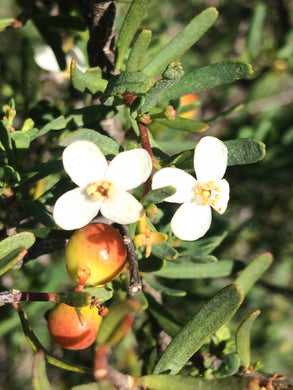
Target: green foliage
<point>132,98</point>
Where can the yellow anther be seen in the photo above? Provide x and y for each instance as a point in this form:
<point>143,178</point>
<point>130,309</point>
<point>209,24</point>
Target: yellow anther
<point>100,190</point>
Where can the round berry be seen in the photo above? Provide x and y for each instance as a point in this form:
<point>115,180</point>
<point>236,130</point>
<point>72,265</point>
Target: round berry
<point>74,328</point>
<point>95,254</point>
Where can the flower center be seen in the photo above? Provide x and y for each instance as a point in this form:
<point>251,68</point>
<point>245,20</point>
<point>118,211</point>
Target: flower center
<point>207,193</point>
<point>100,189</point>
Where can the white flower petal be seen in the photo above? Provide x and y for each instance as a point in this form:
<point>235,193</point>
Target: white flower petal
<point>122,207</point>
<point>45,59</point>
<point>191,221</point>
<point>130,169</point>
<point>84,162</point>
<point>210,159</point>
<point>75,209</point>
<point>222,203</point>
<point>182,181</point>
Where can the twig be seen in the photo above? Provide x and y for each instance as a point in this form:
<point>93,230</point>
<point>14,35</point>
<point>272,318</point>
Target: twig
<point>135,284</point>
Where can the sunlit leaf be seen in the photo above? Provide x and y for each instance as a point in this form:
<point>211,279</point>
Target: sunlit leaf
<point>90,81</point>
<point>184,124</point>
<point>11,247</point>
<point>137,52</point>
<point>130,25</point>
<point>245,151</point>
<point>253,271</point>
<point>176,382</point>
<point>208,77</point>
<point>184,270</point>
<point>209,318</point>
<point>243,338</point>
<point>107,145</point>
<point>174,50</point>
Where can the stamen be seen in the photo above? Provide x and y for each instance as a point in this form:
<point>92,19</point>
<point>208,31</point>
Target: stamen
<point>207,193</point>
<point>100,189</point>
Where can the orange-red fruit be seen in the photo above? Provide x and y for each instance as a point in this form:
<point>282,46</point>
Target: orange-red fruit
<point>74,328</point>
<point>95,254</point>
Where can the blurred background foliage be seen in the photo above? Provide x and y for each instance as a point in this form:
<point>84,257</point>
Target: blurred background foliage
<point>260,214</point>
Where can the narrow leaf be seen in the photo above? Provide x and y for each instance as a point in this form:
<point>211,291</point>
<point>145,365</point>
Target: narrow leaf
<point>90,81</point>
<point>183,270</point>
<point>229,366</point>
<point>86,116</point>
<point>108,146</point>
<point>11,259</point>
<point>138,51</point>
<point>171,75</point>
<point>11,247</point>
<point>176,382</point>
<point>209,76</point>
<point>174,50</point>
<point>164,251</point>
<point>243,338</point>
<point>5,23</point>
<point>253,271</point>
<point>245,151</point>
<point>158,195</point>
<point>184,124</point>
<point>133,82</point>
<point>164,289</point>
<point>130,25</point>
<point>40,379</point>
<point>103,293</point>
<point>207,320</point>
<point>201,247</point>
<point>165,320</point>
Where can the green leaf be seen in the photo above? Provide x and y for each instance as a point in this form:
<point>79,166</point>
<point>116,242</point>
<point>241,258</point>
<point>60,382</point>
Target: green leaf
<point>133,82</point>
<point>116,314</point>
<point>171,75</point>
<point>158,195</point>
<point>184,270</point>
<point>39,212</point>
<point>103,293</point>
<point>207,77</point>
<point>253,271</point>
<point>5,23</point>
<point>130,25</point>
<point>108,146</point>
<point>40,379</point>
<point>243,339</point>
<point>137,53</point>
<point>256,31</point>
<point>21,141</point>
<point>86,116</point>
<point>229,366</point>
<point>164,251</point>
<point>164,289</point>
<point>36,345</point>
<point>42,170</point>
<point>90,81</point>
<point>6,141</point>
<point>176,382</point>
<point>174,50</point>
<point>207,320</point>
<point>11,247</point>
<point>183,124</point>
<point>165,320</point>
<point>201,247</point>
<point>245,151</point>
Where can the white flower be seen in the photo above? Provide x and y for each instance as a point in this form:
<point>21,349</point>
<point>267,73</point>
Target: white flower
<point>193,218</point>
<point>101,186</point>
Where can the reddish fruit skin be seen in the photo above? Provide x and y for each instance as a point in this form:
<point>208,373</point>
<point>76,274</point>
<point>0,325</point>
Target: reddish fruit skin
<point>74,328</point>
<point>98,248</point>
